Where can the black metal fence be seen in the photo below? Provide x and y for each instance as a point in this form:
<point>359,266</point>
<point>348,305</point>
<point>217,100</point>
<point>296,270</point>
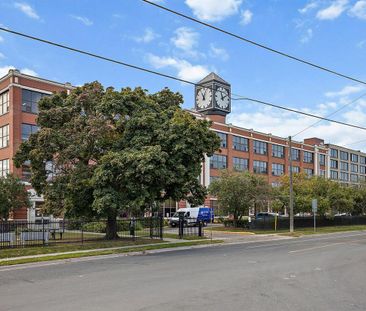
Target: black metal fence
<point>270,223</point>
<point>23,233</point>
<point>184,227</point>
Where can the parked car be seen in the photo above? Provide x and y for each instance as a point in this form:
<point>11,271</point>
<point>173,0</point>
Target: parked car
<point>263,215</point>
<point>192,216</point>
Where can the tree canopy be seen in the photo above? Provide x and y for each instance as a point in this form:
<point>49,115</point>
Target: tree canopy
<point>238,191</point>
<point>114,151</point>
<point>13,195</point>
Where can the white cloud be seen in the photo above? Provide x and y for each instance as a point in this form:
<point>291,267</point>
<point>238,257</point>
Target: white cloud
<point>86,21</point>
<point>246,17</point>
<point>185,38</point>
<point>5,69</point>
<point>2,56</point>
<point>185,70</point>
<point>361,44</point>
<point>26,9</point>
<point>214,10</point>
<point>347,90</point>
<point>308,7</point>
<point>359,9</point>
<point>333,11</point>
<point>28,71</point>
<point>307,36</point>
<point>217,52</point>
<point>148,36</point>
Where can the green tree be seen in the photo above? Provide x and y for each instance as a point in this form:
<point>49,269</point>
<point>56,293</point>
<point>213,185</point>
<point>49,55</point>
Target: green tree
<point>13,195</point>
<point>238,191</point>
<point>116,151</point>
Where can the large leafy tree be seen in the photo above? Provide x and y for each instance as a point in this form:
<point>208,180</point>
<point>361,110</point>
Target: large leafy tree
<point>13,195</point>
<point>115,151</point>
<point>238,191</point>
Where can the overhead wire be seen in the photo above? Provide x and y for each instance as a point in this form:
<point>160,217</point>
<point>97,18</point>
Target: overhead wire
<point>260,45</point>
<point>140,68</point>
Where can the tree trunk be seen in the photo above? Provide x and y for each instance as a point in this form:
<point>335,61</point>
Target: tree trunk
<point>111,228</point>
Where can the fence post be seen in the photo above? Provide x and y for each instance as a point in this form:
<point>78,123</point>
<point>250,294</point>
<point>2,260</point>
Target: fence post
<point>151,226</point>
<point>181,226</point>
<point>161,223</point>
<point>43,231</point>
<point>200,229</point>
<point>82,232</point>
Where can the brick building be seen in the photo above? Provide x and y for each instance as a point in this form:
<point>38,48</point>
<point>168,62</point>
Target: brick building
<point>19,95</point>
<point>241,149</point>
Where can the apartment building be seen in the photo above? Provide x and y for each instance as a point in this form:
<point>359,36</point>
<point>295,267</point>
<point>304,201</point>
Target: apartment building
<point>19,96</point>
<point>346,166</point>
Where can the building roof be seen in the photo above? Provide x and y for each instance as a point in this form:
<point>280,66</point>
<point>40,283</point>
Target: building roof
<point>213,76</point>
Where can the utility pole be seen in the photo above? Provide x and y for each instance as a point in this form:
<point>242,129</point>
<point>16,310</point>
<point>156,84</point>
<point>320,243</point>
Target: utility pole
<point>291,189</point>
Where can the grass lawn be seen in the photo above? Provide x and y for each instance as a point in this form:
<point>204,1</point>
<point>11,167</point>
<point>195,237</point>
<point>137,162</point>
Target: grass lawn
<point>69,247</point>
<point>134,248</point>
<point>298,232</point>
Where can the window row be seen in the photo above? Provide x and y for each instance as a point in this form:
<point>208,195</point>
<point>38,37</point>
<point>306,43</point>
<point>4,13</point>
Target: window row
<point>4,103</point>
<point>345,156</point>
<point>4,136</point>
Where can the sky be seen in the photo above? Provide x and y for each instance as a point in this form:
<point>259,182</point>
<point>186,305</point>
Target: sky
<point>329,33</point>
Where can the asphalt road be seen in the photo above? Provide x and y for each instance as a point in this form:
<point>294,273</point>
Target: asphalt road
<point>317,273</point>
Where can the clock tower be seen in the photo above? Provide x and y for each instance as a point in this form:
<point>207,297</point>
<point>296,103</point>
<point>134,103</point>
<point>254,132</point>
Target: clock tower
<point>213,96</point>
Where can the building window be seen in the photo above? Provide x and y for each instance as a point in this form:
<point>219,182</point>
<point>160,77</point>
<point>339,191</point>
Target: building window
<point>295,169</point>
<point>278,151</point>
<point>344,166</point>
<point>344,155</point>
<point>27,130</point>
<point>260,167</point>
<point>343,176</point>
<point>4,103</point>
<point>334,153</point>
<point>309,172</point>
<point>334,175</point>
<point>240,164</point>
<point>218,161</point>
<point>322,173</point>
<point>354,158</point>
<point>240,143</point>
<point>333,164</point>
<point>4,167</point>
<point>308,157</point>
<point>278,169</point>
<point>4,136</point>
<point>354,178</point>
<point>321,159</point>
<point>362,160</point>
<point>30,100</point>
<point>260,147</point>
<point>362,169</point>
<point>354,168</point>
<point>295,154</point>
<point>223,139</point>
<point>362,178</point>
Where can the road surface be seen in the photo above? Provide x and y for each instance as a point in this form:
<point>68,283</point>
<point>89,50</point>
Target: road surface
<point>315,273</point>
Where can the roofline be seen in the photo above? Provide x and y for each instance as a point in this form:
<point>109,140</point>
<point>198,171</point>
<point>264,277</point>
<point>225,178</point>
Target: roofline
<point>17,73</point>
<point>329,145</point>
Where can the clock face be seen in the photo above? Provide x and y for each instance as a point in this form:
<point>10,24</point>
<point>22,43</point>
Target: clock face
<point>222,97</point>
<point>203,97</point>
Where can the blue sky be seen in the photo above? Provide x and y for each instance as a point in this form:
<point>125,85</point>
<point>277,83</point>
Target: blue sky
<point>331,33</point>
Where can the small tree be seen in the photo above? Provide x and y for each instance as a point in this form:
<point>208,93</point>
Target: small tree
<point>13,195</point>
<point>237,192</point>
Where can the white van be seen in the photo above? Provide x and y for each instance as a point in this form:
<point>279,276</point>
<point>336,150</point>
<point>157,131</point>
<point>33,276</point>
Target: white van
<point>192,216</point>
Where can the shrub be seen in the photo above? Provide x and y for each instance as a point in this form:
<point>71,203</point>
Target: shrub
<point>240,223</point>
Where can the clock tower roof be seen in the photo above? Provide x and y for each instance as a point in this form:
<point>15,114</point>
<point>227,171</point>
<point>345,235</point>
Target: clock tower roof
<point>213,77</point>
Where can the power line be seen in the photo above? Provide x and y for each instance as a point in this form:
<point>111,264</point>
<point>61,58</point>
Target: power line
<point>97,56</point>
<point>255,43</point>
<point>239,97</point>
<point>329,115</point>
<point>299,112</point>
